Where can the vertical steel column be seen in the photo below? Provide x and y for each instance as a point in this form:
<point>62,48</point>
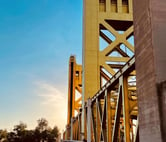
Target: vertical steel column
<point>71,130</point>
<point>71,89</point>
<point>82,120</point>
<point>126,115</point>
<point>91,70</point>
<point>97,122</point>
<point>109,116</point>
<point>119,5</point>
<point>89,121</point>
<point>118,113</point>
<point>108,5</point>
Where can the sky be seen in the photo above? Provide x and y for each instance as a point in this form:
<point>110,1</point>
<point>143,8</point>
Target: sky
<point>37,38</point>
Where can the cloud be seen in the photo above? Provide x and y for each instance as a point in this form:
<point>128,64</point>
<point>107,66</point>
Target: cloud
<point>54,101</point>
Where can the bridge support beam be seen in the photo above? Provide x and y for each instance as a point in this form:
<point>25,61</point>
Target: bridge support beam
<point>150,53</point>
<point>89,121</point>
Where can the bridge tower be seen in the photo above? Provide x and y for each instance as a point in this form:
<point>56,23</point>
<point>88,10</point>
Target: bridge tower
<point>74,85</point>
<point>110,22</point>
<point>107,43</point>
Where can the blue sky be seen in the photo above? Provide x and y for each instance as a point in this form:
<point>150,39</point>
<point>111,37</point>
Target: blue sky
<point>36,39</point>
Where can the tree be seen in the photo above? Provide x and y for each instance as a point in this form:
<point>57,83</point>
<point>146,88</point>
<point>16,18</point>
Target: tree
<point>19,133</point>
<point>20,128</point>
<point>11,137</point>
<point>42,125</point>
<point>42,133</point>
<point>55,131</point>
<point>3,135</point>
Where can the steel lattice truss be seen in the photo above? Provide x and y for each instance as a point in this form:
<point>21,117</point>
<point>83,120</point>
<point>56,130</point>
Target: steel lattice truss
<point>111,113</point>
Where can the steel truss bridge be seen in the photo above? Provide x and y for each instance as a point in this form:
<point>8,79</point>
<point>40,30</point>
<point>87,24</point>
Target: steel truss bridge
<point>118,94</point>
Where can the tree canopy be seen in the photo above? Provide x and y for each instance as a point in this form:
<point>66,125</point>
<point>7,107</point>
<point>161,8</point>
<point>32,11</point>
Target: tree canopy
<point>41,133</point>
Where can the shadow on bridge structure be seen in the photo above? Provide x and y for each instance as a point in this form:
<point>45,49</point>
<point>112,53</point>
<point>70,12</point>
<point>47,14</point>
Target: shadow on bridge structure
<point>118,94</point>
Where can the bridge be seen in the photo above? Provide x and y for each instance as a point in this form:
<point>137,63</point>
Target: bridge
<point>118,94</point>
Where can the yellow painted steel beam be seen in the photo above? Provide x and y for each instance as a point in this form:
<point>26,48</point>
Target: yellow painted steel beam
<point>104,75</point>
<point>107,67</point>
<point>117,116</point>
<point>116,59</point>
<point>91,68</point>
<point>109,116</point>
<point>126,110</point>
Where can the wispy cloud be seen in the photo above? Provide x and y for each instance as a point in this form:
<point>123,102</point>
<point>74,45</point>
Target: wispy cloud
<point>54,101</point>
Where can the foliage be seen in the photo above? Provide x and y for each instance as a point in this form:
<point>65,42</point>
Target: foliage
<point>42,133</point>
<point>3,135</point>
